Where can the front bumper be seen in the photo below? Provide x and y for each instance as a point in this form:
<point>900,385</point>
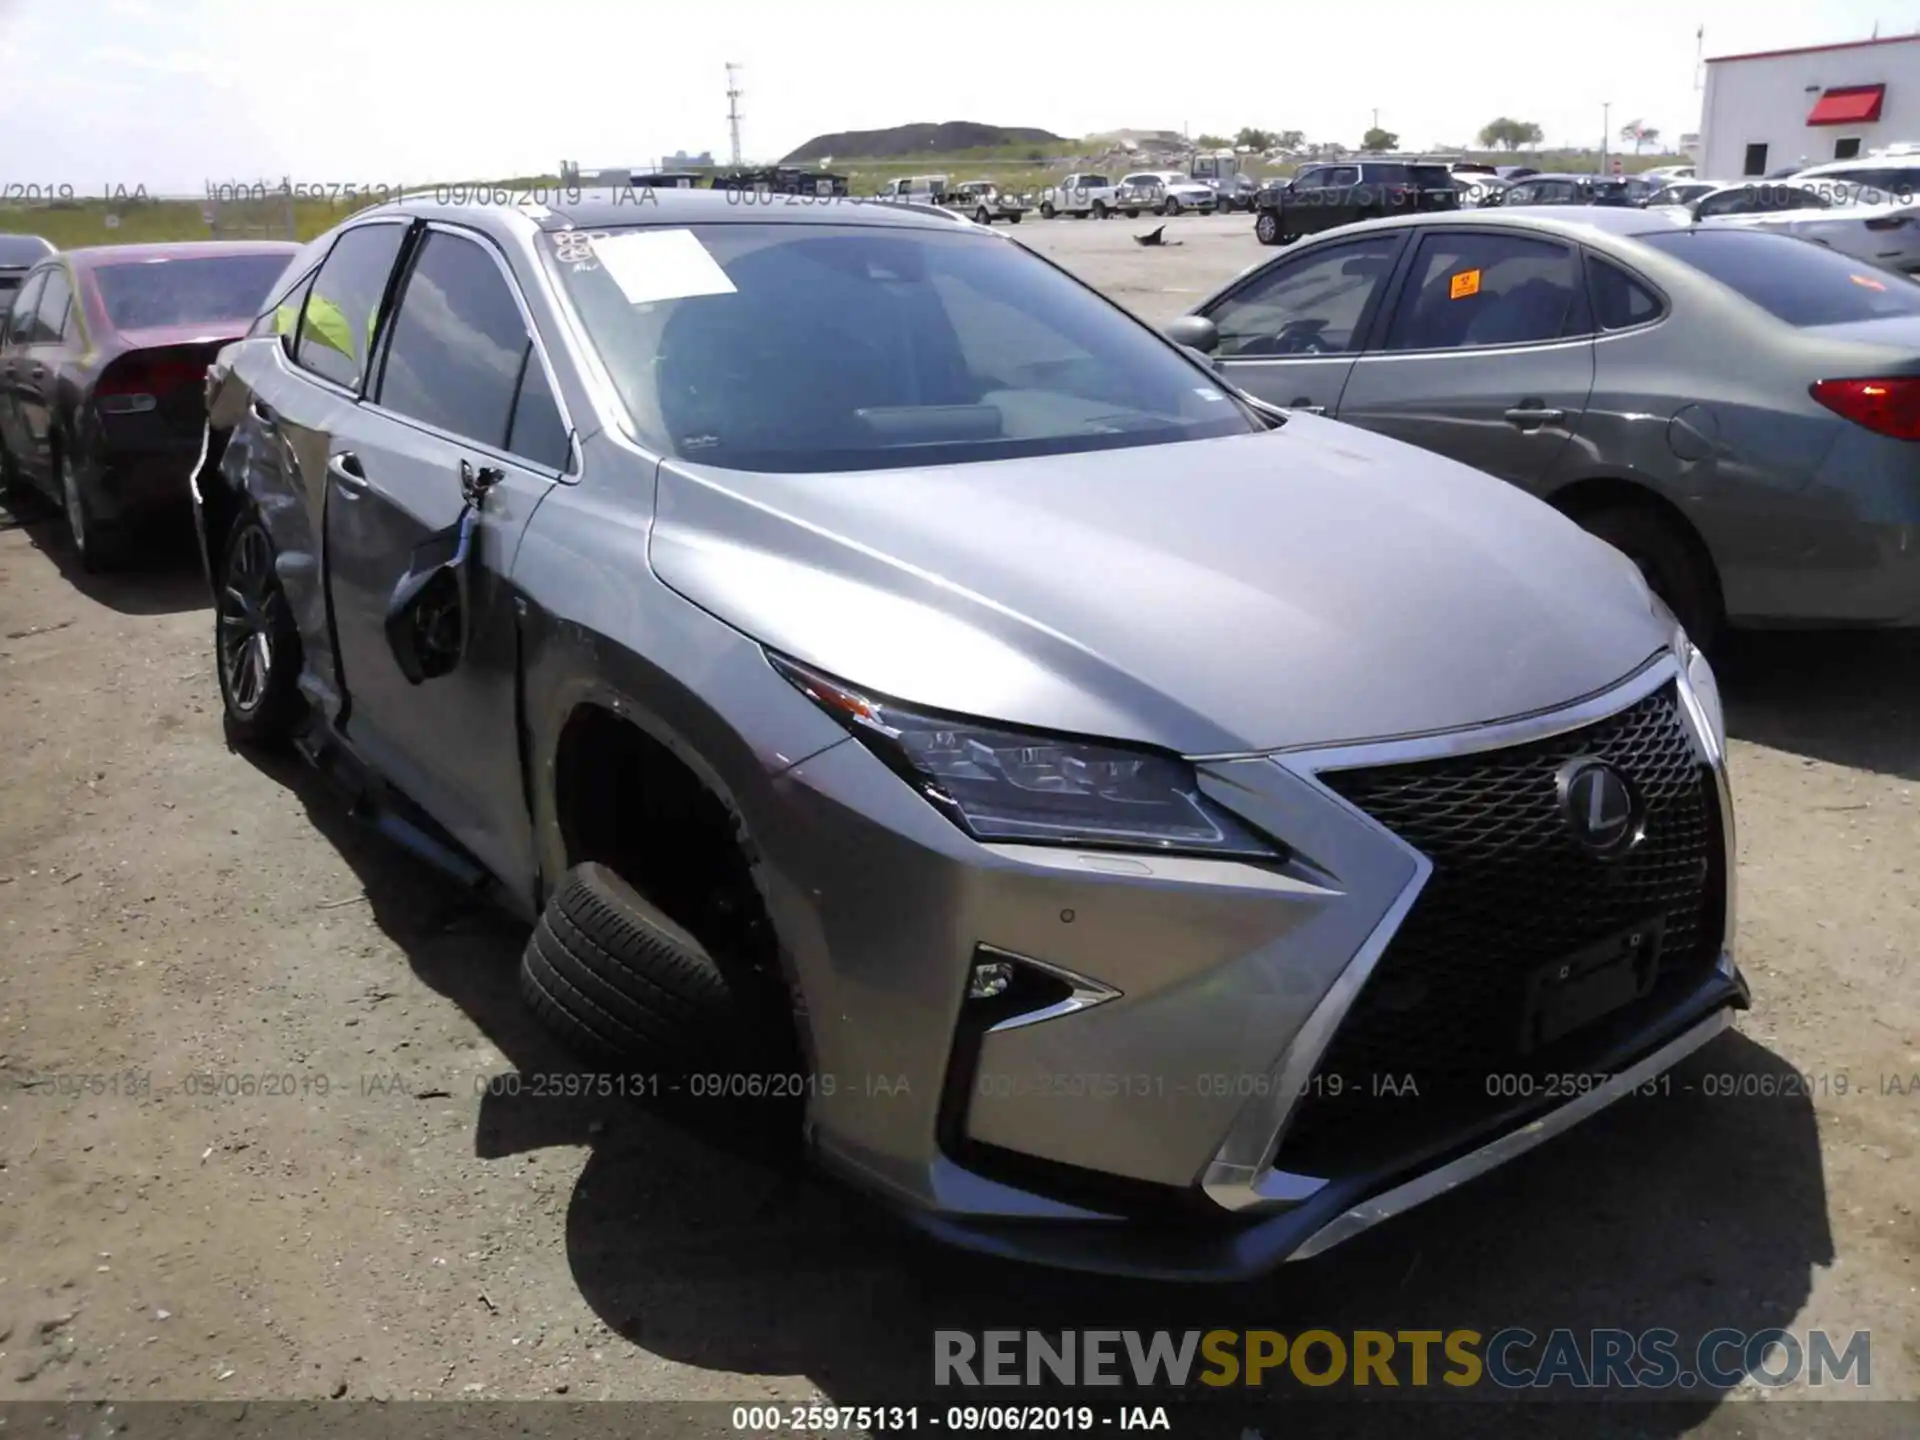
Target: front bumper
<point>1140,1129</point>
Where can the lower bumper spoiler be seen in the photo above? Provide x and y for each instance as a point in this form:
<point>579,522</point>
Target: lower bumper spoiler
<point>1343,1208</point>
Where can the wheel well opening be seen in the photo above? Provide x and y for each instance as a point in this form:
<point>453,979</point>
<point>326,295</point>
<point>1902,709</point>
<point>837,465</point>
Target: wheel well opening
<point>625,800</point>
<point>1590,497</point>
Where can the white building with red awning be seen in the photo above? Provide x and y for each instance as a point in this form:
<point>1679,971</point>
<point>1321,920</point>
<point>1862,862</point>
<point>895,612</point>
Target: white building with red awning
<point>1766,112</point>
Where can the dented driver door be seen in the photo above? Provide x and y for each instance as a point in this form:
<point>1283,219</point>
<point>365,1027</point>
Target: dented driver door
<point>429,489</point>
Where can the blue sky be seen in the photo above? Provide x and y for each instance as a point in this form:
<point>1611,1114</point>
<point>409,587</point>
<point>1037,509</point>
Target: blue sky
<point>170,93</point>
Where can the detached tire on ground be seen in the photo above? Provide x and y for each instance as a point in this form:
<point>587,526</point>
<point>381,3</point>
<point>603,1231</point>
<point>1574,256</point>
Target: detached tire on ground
<point>622,986</point>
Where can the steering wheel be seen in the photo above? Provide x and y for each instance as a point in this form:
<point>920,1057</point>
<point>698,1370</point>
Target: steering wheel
<point>1296,339</point>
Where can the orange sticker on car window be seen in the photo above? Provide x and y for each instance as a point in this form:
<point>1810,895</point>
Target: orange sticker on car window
<point>1868,281</point>
<point>1466,283</point>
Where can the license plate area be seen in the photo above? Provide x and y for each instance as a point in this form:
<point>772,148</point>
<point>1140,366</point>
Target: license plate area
<point>1574,991</point>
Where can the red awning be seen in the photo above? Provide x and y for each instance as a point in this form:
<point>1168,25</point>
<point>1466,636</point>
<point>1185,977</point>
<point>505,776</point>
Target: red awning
<point>1848,105</point>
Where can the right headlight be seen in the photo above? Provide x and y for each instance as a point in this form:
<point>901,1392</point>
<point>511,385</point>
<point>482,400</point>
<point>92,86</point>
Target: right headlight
<point>1000,784</point>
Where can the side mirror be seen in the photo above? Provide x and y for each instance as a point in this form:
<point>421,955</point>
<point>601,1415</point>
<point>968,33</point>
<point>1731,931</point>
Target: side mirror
<point>1196,332</point>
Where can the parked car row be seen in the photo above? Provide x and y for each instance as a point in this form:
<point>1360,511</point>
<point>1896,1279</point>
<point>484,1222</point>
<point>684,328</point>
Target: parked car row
<point>861,649</point>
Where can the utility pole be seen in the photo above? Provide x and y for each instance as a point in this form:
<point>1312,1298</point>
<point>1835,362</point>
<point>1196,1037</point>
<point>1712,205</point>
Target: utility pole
<point>1606,132</point>
<point>734,92</point>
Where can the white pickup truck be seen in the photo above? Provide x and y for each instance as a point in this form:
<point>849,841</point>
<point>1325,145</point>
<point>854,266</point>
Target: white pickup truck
<point>1080,195</point>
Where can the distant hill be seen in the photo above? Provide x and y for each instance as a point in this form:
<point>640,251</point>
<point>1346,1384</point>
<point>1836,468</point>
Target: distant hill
<point>904,141</point>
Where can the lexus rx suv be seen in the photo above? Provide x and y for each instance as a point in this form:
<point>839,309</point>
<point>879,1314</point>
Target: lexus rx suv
<point>1138,828</point>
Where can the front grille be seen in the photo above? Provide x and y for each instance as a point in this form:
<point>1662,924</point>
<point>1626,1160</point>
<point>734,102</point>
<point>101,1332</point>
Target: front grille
<point>1437,1026</point>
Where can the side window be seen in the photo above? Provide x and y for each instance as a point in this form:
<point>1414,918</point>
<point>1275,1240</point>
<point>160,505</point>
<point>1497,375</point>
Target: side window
<point>1311,305</point>
<point>50,316</point>
<point>20,317</point>
<point>1340,176</point>
<point>1522,195</point>
<point>343,304</point>
<point>1619,301</point>
<point>283,317</point>
<point>537,432</point>
<point>1485,288</point>
<point>458,343</point>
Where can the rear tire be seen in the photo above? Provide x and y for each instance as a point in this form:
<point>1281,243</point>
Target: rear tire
<point>95,546</point>
<point>1267,228</point>
<point>256,645</point>
<point>1100,211</point>
<point>1047,212</point>
<point>1172,208</point>
<point>1672,569</point>
<point>621,985</point>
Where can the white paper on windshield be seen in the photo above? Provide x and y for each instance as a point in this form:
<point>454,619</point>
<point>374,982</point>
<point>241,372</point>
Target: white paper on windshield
<point>650,265</point>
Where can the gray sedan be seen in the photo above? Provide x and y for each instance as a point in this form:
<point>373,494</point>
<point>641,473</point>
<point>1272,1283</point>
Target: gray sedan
<point>1736,410</point>
<point>1140,829</point>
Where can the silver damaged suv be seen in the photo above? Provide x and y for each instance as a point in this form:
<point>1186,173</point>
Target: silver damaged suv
<point>1143,830</point>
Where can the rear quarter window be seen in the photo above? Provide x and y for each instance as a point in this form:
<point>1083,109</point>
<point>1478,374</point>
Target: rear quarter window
<point>1794,280</point>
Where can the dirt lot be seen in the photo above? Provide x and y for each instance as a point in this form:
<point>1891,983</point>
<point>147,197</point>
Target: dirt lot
<point>369,1225</point>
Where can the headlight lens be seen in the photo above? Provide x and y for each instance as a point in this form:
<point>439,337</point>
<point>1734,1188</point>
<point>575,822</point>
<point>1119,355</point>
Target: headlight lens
<point>1009,785</point>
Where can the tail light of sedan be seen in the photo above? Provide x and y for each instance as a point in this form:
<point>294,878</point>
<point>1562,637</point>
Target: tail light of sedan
<point>1886,406</point>
<point>136,383</point>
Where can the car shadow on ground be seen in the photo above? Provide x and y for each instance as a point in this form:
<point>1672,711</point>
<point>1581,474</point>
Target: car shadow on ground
<point>1849,697</point>
<point>703,1239</point>
<point>161,575</point>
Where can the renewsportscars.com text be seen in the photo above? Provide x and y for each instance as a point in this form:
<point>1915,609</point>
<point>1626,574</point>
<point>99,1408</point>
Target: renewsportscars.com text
<point>1510,1359</point>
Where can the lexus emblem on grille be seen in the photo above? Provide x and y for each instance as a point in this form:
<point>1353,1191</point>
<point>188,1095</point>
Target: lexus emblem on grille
<point>1601,809</point>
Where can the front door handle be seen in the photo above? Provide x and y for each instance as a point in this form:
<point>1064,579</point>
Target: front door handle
<point>1530,414</point>
<point>1304,402</point>
<point>39,372</point>
<point>344,469</point>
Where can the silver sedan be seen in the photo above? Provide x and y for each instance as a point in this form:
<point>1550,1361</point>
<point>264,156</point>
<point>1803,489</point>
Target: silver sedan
<point>1736,409</point>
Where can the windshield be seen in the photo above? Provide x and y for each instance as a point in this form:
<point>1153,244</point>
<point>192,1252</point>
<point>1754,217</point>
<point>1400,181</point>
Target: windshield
<point>1797,281</point>
<point>807,348</point>
<point>190,290</point>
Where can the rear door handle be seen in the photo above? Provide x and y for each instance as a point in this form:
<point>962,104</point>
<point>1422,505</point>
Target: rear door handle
<point>261,413</point>
<point>39,372</point>
<point>1300,402</point>
<point>344,469</point>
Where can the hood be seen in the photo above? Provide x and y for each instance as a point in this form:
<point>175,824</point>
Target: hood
<point>1302,586</point>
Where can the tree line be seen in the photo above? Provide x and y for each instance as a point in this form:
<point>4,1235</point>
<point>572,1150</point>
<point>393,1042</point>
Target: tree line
<point>1503,133</point>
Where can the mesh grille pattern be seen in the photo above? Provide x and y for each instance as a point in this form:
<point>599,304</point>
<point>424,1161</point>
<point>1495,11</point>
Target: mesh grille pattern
<point>1510,891</point>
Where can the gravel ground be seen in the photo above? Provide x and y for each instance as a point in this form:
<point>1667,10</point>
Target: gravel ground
<point>365,1222</point>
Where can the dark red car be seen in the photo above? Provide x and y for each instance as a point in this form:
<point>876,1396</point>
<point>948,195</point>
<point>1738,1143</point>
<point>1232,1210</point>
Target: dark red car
<point>102,370</point>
